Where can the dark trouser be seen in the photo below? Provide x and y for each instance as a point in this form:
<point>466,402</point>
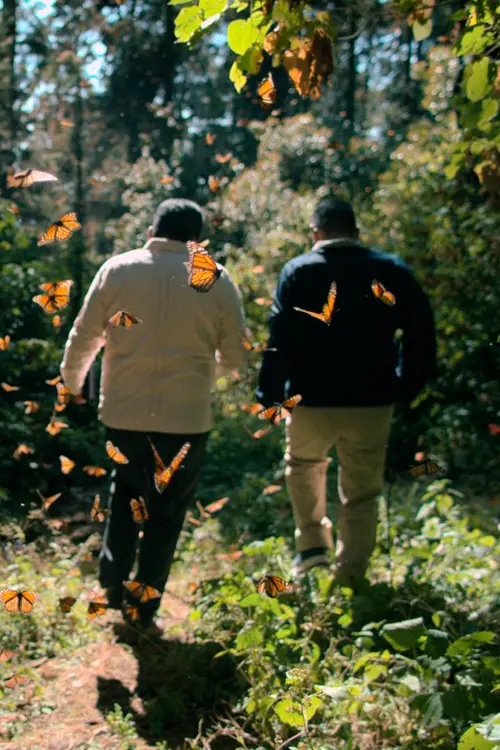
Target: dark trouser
<point>166,511</point>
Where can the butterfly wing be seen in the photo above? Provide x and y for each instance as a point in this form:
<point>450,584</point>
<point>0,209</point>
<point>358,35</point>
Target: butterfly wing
<point>26,601</point>
<point>330,304</point>
<point>319,316</point>
<point>66,603</point>
<point>67,464</point>
<point>11,600</point>
<point>97,607</point>
<point>202,268</point>
<point>267,91</point>
<point>4,343</point>
<point>47,502</point>
<point>269,413</point>
<point>417,471</point>
<point>115,454</point>
<point>139,511</point>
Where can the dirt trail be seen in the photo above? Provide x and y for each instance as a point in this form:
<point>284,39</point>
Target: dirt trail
<point>73,686</point>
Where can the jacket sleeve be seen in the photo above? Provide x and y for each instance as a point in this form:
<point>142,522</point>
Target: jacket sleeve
<point>274,371</point>
<point>419,363</point>
<point>87,335</point>
<point>230,354</point>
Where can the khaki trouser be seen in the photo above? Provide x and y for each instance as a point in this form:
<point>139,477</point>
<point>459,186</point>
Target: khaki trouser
<point>360,436</point>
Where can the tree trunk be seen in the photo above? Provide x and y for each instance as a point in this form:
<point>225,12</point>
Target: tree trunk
<point>351,75</point>
<point>8,57</point>
<point>78,241</point>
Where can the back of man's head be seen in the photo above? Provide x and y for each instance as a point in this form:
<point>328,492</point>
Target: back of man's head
<point>177,219</point>
<point>334,217</point>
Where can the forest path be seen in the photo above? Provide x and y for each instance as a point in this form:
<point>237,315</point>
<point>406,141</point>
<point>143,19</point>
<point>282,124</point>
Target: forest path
<point>80,689</point>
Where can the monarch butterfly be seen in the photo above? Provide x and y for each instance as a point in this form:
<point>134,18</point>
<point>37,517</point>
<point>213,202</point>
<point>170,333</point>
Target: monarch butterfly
<point>494,429</point>
<point>54,381</point>
<point>125,319</point>
<point>115,454</point>
<point>97,513</point>
<point>4,343</point>
<point>61,230</point>
<point>54,427</point>
<point>382,294</point>
<point>56,322</point>
<point>94,471</point>
<point>63,394</point>
<point>132,612</point>
<point>17,679</point>
<point>426,467</point>
<point>276,413</point>
<point>56,296</point>
<point>31,407</point>
<point>97,606</point>
<point>213,184</point>
<point>142,591</point>
<point>216,505</point>
<point>5,655</point>
<point>252,408</point>
<point>139,511</point>
<point>192,519</point>
<point>272,488</point>
<point>222,159</point>
<point>259,433</point>
<point>29,177</point>
<point>210,138</point>
<point>267,92</point>
<point>47,501</point>
<point>22,450</point>
<point>9,388</point>
<point>18,601</point>
<point>59,407</point>
<point>202,268</point>
<point>163,474</point>
<point>67,464</point>
<point>249,347</point>
<point>272,586</point>
<point>326,314</point>
<point>66,603</point>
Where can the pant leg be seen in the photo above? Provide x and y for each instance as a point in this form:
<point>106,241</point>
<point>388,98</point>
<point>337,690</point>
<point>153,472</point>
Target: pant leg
<point>361,450</point>
<point>167,511</point>
<point>310,434</point>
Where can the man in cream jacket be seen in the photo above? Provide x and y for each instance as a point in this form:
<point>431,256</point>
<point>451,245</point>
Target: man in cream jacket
<point>156,383</point>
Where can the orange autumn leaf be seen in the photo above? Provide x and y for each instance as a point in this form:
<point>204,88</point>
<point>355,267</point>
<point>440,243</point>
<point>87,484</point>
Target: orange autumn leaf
<point>308,63</point>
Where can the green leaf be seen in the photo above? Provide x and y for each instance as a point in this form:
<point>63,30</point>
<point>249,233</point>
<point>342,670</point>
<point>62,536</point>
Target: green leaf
<point>489,108</point>
<point>338,693</point>
<point>179,2</point>
<point>403,635</point>
<point>472,740</point>
<point>249,639</point>
<point>463,646</point>
<point>374,671</point>
<point>289,712</point>
<point>252,600</point>
<point>241,35</point>
<point>412,682</point>
<point>479,79</point>
<point>213,7</point>
<point>422,30</point>
<point>187,23</point>
<point>473,42</point>
<point>433,712</point>
<point>237,76</point>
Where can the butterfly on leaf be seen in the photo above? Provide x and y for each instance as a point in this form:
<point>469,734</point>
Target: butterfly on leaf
<point>276,413</point>
<point>29,177</point>
<point>326,314</point>
<point>97,513</point>
<point>4,343</point>
<point>10,388</point>
<point>97,607</point>
<point>55,426</point>
<point>217,505</point>
<point>163,474</point>
<point>31,407</point>
<point>94,471</point>
<point>6,655</point>
<point>115,453</point>
<point>142,591</point>
<point>66,602</point>
<point>272,586</point>
<point>47,501</point>
<point>61,230</point>
<point>18,601</point>
<point>124,319</point>
<point>67,464</point>
<point>139,511</point>
<point>267,92</point>
<point>15,681</point>
<point>22,450</point>
<point>382,294</point>
<point>56,296</point>
<point>427,467</point>
<point>202,268</point>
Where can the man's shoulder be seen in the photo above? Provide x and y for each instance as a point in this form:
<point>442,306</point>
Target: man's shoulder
<point>128,258</point>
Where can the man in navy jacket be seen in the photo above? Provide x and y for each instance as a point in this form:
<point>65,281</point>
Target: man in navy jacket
<point>375,352</point>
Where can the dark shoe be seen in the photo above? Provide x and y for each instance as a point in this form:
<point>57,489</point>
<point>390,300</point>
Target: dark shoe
<point>311,558</point>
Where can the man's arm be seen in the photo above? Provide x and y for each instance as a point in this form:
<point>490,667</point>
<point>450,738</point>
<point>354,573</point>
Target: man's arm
<point>230,354</point>
<point>419,340</point>
<point>274,370</point>
<point>87,335</point>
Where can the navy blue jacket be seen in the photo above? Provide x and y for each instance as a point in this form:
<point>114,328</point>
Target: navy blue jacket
<point>356,361</point>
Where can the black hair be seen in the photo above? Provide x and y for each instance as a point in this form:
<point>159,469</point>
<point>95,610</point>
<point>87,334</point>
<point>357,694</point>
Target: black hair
<point>178,219</point>
<point>334,216</point>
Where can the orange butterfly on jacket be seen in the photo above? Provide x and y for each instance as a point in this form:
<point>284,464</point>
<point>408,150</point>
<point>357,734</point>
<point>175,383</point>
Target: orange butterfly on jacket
<point>18,601</point>
<point>4,343</point>
<point>55,426</point>
<point>115,454</point>
<point>9,388</point>
<point>276,413</point>
<point>141,591</point>
<point>163,474</point>
<point>31,407</point>
<point>326,314</point>
<point>29,177</point>
<point>139,511</point>
<point>273,585</point>
<point>97,513</point>
<point>125,319</point>
<point>66,603</point>
<point>426,467</point>
<point>47,501</point>
<point>202,268</point>
<point>15,680</point>
<point>94,471</point>
<point>61,230</point>
<point>5,655</point>
<point>97,607</point>
<point>67,464</point>
<point>56,296</point>
<point>382,294</point>
<point>22,450</point>
<point>267,92</point>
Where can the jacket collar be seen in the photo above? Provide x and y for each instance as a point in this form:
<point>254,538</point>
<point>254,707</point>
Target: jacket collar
<point>161,243</point>
<point>337,241</point>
